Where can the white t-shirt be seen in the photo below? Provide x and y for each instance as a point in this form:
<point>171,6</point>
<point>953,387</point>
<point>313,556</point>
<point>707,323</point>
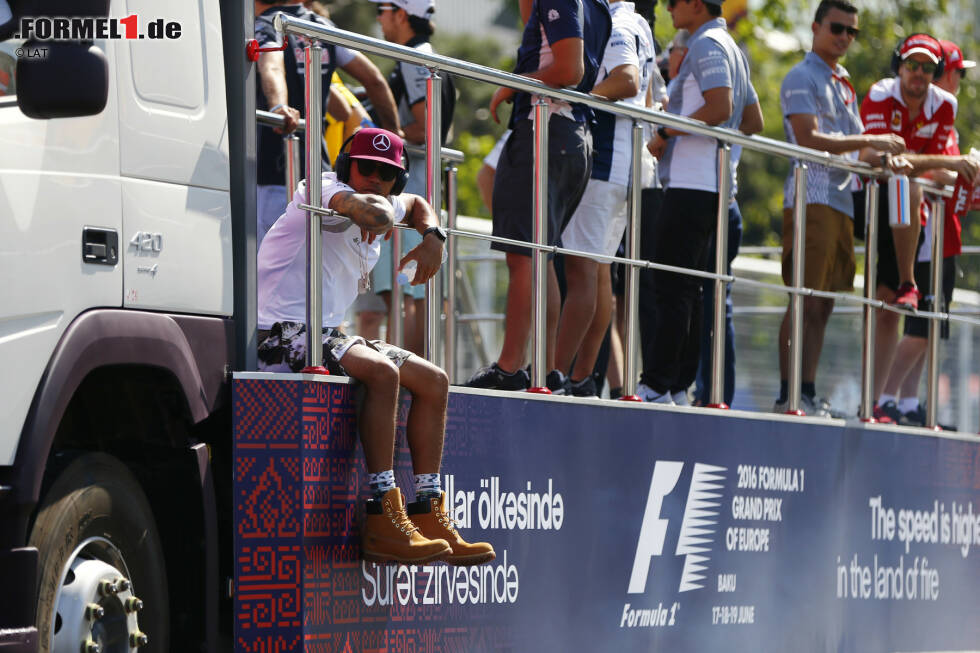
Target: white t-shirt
<point>282,260</point>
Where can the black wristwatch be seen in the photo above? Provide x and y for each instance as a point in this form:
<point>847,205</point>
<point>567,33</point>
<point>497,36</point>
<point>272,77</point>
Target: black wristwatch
<point>438,231</point>
<point>662,132</point>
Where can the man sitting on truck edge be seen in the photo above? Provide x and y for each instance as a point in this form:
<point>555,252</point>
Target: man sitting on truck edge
<point>365,193</point>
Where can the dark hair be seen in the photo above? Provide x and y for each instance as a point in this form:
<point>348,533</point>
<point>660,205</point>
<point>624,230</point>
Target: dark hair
<point>827,5</point>
<point>713,10</point>
<point>421,26</point>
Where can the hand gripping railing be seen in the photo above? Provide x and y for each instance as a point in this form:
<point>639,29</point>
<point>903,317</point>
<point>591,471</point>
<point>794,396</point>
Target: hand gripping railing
<point>726,137</point>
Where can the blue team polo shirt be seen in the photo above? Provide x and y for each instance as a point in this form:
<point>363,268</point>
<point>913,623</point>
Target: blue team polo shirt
<point>550,22</point>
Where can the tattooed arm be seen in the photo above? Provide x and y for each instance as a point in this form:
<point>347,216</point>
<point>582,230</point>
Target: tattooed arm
<point>374,214</point>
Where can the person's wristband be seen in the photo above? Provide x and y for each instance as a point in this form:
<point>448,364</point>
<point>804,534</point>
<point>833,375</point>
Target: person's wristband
<point>662,132</point>
<point>275,108</point>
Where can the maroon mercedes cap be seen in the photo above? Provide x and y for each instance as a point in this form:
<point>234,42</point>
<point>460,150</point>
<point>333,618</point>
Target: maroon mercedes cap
<point>378,145</point>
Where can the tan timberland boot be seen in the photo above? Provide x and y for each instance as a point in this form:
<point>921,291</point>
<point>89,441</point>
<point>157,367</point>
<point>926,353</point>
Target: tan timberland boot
<point>432,519</point>
<point>389,535</point>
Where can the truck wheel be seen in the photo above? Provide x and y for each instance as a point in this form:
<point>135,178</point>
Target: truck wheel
<point>102,583</point>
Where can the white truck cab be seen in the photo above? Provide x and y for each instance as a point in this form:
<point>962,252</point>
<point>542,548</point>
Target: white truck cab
<point>119,200</point>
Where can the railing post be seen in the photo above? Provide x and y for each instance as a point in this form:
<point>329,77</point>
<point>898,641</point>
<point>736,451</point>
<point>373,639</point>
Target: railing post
<point>314,255</point>
<point>396,323</point>
<point>539,261</point>
<point>451,313</point>
<point>291,152</point>
<point>633,274</point>
<point>717,399</point>
<point>938,217</point>
<point>866,412</point>
<point>796,302</point>
<point>433,193</point>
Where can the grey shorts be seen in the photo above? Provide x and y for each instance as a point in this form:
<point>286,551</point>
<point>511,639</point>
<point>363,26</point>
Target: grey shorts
<point>569,166</point>
<point>283,348</point>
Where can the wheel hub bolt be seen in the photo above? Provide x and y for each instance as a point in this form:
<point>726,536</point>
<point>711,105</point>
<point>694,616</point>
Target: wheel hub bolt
<point>133,604</point>
<point>108,588</point>
<point>138,639</point>
<point>94,612</point>
<point>122,585</point>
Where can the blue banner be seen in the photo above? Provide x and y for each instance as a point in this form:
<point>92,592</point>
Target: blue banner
<point>632,528</point>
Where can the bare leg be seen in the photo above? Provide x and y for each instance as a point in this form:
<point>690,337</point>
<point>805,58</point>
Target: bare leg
<point>816,314</point>
<point>369,324</point>
<point>412,335</point>
<point>614,373</point>
<point>517,322</point>
<point>414,325</point>
<point>886,338</point>
<point>592,342</point>
<point>579,309</point>
<point>376,422</point>
<point>910,357</point>
<point>907,238</point>
<point>429,386</point>
<point>553,299</point>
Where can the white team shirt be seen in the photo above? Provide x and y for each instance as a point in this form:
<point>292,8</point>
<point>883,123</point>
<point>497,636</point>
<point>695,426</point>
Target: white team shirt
<point>282,260</point>
<point>630,43</point>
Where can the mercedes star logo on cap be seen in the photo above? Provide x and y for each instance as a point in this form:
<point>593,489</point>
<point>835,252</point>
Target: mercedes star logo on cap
<point>381,143</point>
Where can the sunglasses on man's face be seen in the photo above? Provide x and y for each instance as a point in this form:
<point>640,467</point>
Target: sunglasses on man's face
<point>368,167</point>
<point>927,67</point>
<point>838,28</point>
<point>673,3</point>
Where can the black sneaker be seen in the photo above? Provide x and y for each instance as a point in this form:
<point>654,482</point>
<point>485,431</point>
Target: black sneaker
<point>494,378</point>
<point>889,411</point>
<point>915,417</point>
<point>583,388</point>
<point>557,382</point>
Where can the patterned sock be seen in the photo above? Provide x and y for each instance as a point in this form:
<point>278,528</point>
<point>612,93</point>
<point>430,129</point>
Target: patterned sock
<point>884,399</point>
<point>808,389</point>
<point>908,404</point>
<point>783,391</point>
<point>615,393</point>
<point>427,486</point>
<point>381,482</point>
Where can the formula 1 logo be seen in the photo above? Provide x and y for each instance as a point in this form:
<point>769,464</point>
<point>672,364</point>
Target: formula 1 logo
<point>696,535</point>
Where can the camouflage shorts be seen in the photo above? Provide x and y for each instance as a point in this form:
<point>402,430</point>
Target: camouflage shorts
<point>283,348</point>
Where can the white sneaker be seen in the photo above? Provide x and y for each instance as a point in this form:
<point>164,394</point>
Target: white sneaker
<point>646,393</point>
<point>807,405</point>
<point>680,398</point>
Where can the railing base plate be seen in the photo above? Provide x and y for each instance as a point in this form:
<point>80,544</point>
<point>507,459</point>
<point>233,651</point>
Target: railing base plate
<point>539,391</point>
<point>314,369</point>
<point>630,398</point>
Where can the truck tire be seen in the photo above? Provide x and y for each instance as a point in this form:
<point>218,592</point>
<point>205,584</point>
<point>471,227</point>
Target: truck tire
<point>102,579</point>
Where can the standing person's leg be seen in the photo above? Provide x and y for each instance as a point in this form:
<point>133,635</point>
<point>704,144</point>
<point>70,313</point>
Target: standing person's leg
<point>828,265</point>
<point>585,362</point>
<point>886,327</point>
<point>906,245</point>
<point>651,203</point>
<point>734,242</point>
<point>581,275</point>
<point>689,216</point>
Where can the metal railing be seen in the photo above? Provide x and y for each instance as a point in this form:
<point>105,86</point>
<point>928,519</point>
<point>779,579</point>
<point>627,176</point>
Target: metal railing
<point>725,137</point>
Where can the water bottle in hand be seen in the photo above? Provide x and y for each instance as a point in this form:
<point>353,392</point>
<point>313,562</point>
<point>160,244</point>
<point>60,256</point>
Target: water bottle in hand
<point>406,275</point>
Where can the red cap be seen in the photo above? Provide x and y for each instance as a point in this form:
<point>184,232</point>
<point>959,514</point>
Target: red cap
<point>954,57</point>
<point>921,44</point>
<point>378,145</point>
